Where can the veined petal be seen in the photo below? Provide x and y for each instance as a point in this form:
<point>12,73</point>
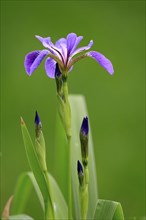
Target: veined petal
<point>61,45</point>
<point>48,44</point>
<point>33,60</point>
<point>102,60</point>
<point>71,39</point>
<point>78,40</point>
<point>45,41</point>
<point>81,49</point>
<point>50,66</point>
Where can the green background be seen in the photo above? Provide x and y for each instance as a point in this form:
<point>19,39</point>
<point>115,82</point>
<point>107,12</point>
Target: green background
<point>115,103</point>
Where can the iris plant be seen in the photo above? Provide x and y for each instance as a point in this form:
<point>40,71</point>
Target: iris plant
<point>63,52</point>
<point>83,203</point>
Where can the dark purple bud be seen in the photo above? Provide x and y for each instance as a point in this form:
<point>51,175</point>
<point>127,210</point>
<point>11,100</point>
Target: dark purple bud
<point>80,173</point>
<point>79,167</point>
<point>37,119</point>
<point>84,141</point>
<point>85,126</point>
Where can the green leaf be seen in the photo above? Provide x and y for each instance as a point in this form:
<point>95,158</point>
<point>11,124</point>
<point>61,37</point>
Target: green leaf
<point>59,203</point>
<point>25,183</point>
<point>22,192</point>
<point>18,217</point>
<point>108,210</point>
<point>34,163</point>
<point>78,110</point>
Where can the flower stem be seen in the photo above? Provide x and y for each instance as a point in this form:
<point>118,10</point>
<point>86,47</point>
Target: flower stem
<point>49,210</point>
<point>65,116</point>
<point>69,180</point>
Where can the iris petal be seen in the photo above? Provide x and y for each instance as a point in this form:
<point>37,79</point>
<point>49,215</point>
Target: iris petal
<point>33,60</point>
<point>102,60</point>
<point>50,66</point>
<point>81,49</point>
<point>51,47</point>
<point>78,40</point>
<point>61,45</point>
<point>71,39</point>
<point>46,42</point>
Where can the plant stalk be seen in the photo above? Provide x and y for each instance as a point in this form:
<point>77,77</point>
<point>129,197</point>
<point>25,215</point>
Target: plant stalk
<point>69,180</point>
<point>49,209</point>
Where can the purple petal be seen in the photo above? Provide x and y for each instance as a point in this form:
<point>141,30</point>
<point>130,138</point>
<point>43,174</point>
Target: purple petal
<point>72,42</point>
<point>102,60</point>
<point>50,66</point>
<point>78,40</point>
<point>46,42</point>
<point>81,49</point>
<point>51,47</point>
<point>61,46</point>
<point>33,60</point>
<point>71,39</point>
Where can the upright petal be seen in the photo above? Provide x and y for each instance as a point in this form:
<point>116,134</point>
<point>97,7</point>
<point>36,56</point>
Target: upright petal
<point>61,45</point>
<point>102,60</point>
<point>71,39</point>
<point>81,49</point>
<point>33,60</point>
<point>72,42</point>
<point>78,40</point>
<point>50,66</point>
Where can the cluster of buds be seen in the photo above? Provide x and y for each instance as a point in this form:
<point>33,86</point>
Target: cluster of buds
<point>83,175</point>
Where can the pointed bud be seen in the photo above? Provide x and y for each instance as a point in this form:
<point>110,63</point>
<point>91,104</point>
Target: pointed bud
<point>80,173</point>
<point>37,119</point>
<point>84,140</point>
<point>38,124</point>
<point>40,143</point>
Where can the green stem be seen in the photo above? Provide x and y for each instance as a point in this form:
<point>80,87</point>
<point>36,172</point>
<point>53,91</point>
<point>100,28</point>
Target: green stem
<point>83,192</point>
<point>69,180</point>
<point>68,134</point>
<point>49,210</point>
<point>65,115</point>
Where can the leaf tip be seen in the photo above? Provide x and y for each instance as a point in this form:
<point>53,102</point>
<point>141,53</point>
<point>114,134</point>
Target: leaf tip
<point>22,121</point>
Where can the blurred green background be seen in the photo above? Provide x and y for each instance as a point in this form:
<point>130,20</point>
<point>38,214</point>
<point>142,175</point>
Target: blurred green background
<point>115,103</point>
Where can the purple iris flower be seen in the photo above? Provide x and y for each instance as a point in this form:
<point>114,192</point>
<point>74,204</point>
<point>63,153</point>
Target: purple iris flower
<point>63,52</point>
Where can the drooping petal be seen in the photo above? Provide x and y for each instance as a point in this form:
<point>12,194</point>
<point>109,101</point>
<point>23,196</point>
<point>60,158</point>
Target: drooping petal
<point>50,66</point>
<point>81,49</point>
<point>33,60</point>
<point>72,42</point>
<point>102,60</point>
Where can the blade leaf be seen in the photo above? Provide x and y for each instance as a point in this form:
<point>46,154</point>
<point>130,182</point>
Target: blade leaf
<point>34,163</point>
<point>79,110</point>
<point>24,185</point>
<point>18,217</point>
<point>108,210</point>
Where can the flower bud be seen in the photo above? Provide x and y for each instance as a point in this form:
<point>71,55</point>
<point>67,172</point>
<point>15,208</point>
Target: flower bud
<point>80,173</point>
<point>84,140</point>
<point>40,143</point>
